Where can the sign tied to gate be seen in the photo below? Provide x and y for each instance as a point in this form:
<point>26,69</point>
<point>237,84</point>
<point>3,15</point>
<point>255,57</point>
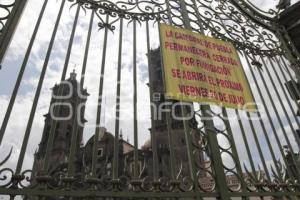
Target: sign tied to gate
<point>203,69</point>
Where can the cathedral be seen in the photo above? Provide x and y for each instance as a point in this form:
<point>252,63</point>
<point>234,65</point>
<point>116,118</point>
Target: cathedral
<point>83,162</point>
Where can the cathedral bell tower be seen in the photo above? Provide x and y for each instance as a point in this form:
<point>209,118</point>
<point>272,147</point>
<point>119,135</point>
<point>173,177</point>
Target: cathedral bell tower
<point>159,122</point>
<point>69,99</point>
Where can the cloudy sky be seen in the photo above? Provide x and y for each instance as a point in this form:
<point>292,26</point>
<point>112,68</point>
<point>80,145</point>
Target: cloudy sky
<point>15,55</point>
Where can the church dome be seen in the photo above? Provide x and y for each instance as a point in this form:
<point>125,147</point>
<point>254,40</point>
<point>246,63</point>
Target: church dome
<point>147,144</point>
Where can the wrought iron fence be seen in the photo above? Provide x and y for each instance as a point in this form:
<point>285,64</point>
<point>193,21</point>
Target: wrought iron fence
<point>219,153</point>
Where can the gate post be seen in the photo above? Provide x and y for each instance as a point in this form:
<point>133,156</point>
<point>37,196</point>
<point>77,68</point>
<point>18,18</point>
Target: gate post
<point>210,131</point>
<point>7,32</point>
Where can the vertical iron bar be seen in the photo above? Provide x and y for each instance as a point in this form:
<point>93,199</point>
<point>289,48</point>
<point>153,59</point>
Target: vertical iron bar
<point>10,26</point>
<point>280,122</point>
<point>99,105</point>
<point>20,75</point>
<point>296,88</point>
<point>297,91</point>
<point>291,77</point>
<point>171,144</point>
<point>245,141</point>
<point>187,132</point>
<point>290,49</point>
<point>276,112</point>
<point>63,76</point>
<point>87,47</point>
<point>253,131</point>
<point>284,91</point>
<point>74,134</point>
<point>258,146</point>
<point>192,163</point>
<point>95,145</point>
<point>75,125</point>
<point>247,146</point>
<point>153,136</point>
<point>38,91</point>
<point>168,116</point>
<point>263,127</point>
<point>60,93</point>
<point>215,153</point>
<point>117,122</point>
<point>233,147</point>
<point>135,127</point>
<point>170,137</point>
<point>170,134</point>
<point>12,197</point>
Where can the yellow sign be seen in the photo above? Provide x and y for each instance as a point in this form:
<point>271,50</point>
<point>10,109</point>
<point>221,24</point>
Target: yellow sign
<point>203,69</point>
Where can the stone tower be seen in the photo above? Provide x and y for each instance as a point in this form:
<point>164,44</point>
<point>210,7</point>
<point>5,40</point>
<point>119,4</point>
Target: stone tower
<point>159,123</point>
<point>71,105</point>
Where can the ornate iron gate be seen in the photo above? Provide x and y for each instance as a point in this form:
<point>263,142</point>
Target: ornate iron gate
<point>227,153</point>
